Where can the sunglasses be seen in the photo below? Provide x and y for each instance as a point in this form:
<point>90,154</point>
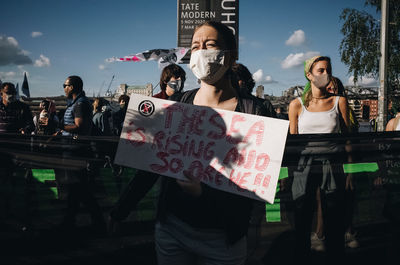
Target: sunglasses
<point>64,85</point>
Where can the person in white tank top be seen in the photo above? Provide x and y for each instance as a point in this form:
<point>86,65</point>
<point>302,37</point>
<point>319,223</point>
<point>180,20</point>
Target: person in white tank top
<point>316,112</point>
<point>393,124</point>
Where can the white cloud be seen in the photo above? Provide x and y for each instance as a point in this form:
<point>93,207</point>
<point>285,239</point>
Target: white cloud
<point>43,61</point>
<point>269,80</point>
<point>7,75</point>
<point>296,39</point>
<point>12,41</point>
<point>25,52</point>
<point>11,53</point>
<point>297,59</point>
<point>36,34</point>
<point>259,77</point>
<point>242,39</point>
<point>363,81</point>
<point>102,67</point>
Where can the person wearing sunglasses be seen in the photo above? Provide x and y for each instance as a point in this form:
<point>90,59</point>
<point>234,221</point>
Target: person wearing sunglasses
<point>77,122</point>
<point>172,80</point>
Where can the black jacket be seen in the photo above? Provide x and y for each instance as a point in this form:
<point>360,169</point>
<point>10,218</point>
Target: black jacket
<point>231,212</point>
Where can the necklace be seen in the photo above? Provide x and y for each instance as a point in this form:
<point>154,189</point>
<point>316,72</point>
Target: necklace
<point>326,96</point>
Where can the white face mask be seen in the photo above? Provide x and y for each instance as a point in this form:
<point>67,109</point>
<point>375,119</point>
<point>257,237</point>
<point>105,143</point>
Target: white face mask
<point>209,65</point>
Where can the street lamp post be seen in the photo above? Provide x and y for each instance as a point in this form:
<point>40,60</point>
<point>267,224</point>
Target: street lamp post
<point>382,92</point>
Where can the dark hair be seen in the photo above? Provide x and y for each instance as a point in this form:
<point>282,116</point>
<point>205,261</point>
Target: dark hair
<point>11,87</point>
<point>226,34</point>
<point>76,82</point>
<point>172,70</point>
<point>46,104</point>
<point>101,102</point>
<point>243,74</point>
<point>339,86</point>
<point>124,98</point>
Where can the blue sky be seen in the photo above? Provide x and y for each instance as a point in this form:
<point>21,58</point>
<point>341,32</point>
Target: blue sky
<point>53,39</point>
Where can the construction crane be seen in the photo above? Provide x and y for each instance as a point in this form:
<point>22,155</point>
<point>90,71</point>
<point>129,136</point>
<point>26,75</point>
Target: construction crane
<point>108,92</point>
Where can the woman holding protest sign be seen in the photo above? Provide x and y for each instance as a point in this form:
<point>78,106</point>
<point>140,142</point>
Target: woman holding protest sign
<point>320,167</point>
<point>197,224</point>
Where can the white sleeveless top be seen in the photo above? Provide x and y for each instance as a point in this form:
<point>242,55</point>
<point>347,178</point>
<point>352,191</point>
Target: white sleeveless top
<point>319,122</point>
<point>397,127</point>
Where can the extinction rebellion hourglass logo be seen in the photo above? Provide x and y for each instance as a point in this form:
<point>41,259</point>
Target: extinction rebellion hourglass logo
<point>146,108</point>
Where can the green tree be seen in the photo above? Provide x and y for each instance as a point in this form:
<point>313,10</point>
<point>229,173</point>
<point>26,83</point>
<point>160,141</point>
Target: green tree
<point>360,47</point>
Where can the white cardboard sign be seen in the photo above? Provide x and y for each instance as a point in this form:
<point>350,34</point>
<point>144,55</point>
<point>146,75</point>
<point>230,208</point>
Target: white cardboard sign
<point>230,151</point>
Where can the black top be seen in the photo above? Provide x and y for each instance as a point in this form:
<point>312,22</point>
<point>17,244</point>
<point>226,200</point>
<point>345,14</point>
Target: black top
<point>14,117</point>
<point>214,209</point>
<point>118,118</point>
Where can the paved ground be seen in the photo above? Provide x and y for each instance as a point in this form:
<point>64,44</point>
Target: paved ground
<point>135,245</point>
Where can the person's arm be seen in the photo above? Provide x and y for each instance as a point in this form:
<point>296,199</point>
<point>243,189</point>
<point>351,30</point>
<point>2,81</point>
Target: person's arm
<point>345,115</point>
<point>74,128</point>
<point>137,188</point>
<point>27,119</point>
<point>390,125</point>
<point>82,122</point>
<point>294,111</point>
<point>35,120</point>
<point>344,112</point>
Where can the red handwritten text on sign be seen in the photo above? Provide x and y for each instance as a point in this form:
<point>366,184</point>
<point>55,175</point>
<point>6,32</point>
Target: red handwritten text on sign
<point>231,151</point>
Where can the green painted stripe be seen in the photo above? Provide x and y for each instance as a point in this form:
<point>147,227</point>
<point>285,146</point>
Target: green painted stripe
<point>273,211</point>
<point>360,167</point>
<point>284,173</point>
<point>43,174</point>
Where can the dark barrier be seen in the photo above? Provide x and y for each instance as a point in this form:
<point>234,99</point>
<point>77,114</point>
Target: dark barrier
<point>37,202</point>
<point>66,152</point>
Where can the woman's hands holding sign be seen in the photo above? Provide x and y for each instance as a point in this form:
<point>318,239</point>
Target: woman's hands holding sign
<point>192,186</point>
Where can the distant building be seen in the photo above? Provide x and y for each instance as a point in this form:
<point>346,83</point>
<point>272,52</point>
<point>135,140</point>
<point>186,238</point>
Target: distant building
<point>260,91</point>
<point>369,109</point>
<point>124,89</point>
<point>356,105</point>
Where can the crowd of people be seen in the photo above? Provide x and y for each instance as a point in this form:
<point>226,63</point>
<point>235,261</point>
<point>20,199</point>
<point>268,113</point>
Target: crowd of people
<point>196,223</point>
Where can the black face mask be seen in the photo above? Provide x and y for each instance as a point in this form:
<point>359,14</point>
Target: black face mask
<point>176,85</point>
